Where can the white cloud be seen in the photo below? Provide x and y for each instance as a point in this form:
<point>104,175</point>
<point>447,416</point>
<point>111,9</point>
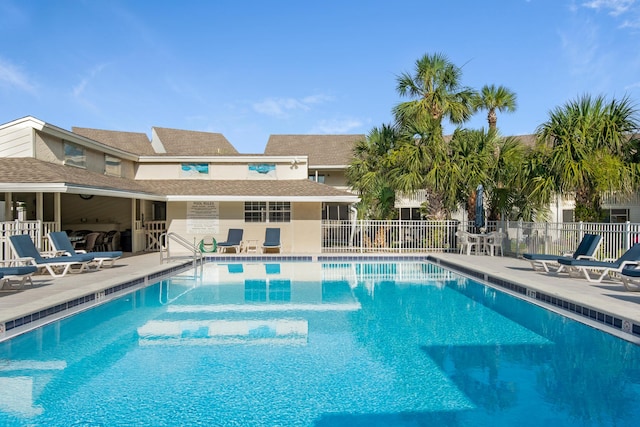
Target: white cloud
<point>336,126</point>
<point>78,91</point>
<point>282,107</point>
<point>615,7</point>
<point>12,76</point>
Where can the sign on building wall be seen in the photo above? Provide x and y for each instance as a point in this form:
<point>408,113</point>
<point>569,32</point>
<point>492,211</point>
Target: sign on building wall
<point>203,217</point>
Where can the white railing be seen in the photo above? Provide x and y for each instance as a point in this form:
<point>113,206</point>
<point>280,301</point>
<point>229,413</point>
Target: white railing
<point>388,236</point>
<point>439,236</point>
<point>411,200</point>
<point>38,231</point>
<point>165,241</point>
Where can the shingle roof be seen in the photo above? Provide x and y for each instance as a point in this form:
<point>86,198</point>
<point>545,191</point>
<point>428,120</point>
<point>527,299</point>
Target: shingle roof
<point>246,188</point>
<point>131,142</point>
<point>322,149</point>
<point>179,142</point>
<point>32,171</point>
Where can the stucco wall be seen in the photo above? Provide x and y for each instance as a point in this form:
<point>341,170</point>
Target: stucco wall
<point>301,235</point>
<point>220,171</point>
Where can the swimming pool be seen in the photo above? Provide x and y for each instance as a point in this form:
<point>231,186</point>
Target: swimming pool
<point>319,344</point>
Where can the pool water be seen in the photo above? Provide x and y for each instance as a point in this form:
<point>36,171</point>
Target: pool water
<point>311,344</point>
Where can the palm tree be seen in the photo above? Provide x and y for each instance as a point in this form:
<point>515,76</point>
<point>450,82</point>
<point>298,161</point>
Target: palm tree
<point>492,98</point>
<point>472,162</point>
<point>436,91</point>
<point>368,172</point>
<point>586,147</point>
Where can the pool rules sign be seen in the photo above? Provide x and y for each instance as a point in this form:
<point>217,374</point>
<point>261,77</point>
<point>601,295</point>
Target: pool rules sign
<point>203,217</point>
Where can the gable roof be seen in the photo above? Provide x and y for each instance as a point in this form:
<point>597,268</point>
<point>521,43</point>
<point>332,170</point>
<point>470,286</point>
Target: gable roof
<point>132,142</point>
<point>179,142</point>
<point>322,150</point>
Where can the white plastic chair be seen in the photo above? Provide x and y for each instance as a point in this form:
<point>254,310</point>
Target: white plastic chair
<point>494,243</point>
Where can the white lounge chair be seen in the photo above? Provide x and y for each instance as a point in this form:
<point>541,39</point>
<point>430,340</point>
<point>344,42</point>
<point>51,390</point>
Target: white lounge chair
<point>586,249</point>
<point>59,266</point>
<point>604,268</point>
<point>60,242</point>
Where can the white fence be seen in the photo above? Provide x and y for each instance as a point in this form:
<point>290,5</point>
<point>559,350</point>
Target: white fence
<point>38,231</point>
<point>439,236</point>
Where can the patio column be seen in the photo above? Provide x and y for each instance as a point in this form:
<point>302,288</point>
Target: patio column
<point>39,206</point>
<point>8,204</point>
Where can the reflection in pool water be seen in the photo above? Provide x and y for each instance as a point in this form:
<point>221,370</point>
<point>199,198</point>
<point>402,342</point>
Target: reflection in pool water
<point>319,344</point>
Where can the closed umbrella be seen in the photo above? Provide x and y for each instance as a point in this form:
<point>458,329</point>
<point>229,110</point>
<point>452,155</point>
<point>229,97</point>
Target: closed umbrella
<point>479,222</point>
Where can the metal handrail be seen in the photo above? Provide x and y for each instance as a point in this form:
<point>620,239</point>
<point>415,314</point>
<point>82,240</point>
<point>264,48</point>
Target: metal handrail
<point>166,238</point>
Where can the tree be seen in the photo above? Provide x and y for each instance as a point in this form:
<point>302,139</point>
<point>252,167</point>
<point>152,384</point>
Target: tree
<point>368,172</point>
<point>492,98</point>
<point>437,94</point>
<point>587,147</point>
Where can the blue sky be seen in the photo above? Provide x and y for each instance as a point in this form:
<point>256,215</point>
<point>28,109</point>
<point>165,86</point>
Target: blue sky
<point>249,69</point>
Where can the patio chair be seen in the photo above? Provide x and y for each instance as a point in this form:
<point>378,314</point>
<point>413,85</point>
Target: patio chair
<point>467,242</point>
<point>271,239</point>
<point>604,268</point>
<point>586,249</point>
<point>26,250</point>
<point>493,243</point>
<point>20,274</point>
<point>234,240</point>
<point>60,242</point>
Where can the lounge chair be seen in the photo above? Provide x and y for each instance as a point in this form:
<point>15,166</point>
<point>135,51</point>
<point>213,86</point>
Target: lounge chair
<point>585,250</point>
<point>59,266</point>
<point>60,242</point>
<point>602,268</point>
<point>20,274</point>
<point>271,239</point>
<point>234,240</point>
<point>631,278</point>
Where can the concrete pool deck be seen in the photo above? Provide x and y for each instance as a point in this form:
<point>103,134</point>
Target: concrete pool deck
<point>607,305</point>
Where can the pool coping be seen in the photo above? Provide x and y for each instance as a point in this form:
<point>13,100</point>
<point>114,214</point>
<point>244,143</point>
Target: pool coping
<point>621,326</point>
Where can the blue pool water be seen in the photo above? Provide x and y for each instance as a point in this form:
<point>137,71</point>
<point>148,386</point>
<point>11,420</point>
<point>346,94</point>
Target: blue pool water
<point>310,344</point>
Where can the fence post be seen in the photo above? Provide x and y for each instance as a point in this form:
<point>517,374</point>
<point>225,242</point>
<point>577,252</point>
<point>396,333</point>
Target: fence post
<point>627,235</point>
<point>518,235</point>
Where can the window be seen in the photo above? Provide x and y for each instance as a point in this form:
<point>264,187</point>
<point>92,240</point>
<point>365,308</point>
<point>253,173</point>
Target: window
<point>74,155</point>
<point>255,211</point>
<point>280,212</point>
<point>112,165</point>
<point>194,170</point>
<point>267,212</point>
<point>617,216</point>
<point>320,178</point>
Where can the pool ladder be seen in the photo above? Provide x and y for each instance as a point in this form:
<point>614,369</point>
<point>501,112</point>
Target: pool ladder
<point>165,251</point>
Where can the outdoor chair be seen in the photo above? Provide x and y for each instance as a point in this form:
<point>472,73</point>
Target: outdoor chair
<point>631,278</point>
<point>467,242</point>
<point>493,243</point>
<point>58,266</point>
<point>234,240</point>
<point>587,268</point>
<point>271,240</point>
<point>586,249</point>
<point>20,274</point>
<point>60,242</point>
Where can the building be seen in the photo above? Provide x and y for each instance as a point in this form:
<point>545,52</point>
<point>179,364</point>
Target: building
<point>194,183</point>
